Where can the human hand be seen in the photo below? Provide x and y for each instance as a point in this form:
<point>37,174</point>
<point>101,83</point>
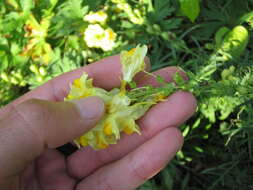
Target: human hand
<point>36,123</point>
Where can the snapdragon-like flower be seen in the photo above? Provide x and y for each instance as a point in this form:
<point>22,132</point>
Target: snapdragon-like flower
<point>98,37</point>
<point>121,111</point>
<point>133,62</point>
<point>96,17</point>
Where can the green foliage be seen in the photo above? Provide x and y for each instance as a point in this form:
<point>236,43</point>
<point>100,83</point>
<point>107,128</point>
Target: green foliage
<point>210,40</point>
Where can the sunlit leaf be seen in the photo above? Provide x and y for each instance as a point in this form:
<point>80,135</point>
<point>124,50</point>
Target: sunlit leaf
<point>190,8</point>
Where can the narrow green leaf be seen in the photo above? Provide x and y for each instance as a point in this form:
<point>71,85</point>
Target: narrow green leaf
<point>160,79</point>
<point>220,34</point>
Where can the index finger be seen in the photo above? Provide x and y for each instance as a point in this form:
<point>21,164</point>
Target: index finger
<point>105,74</point>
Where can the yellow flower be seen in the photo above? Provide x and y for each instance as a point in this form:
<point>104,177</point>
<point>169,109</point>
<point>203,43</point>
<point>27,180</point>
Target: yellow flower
<point>136,16</point>
<point>120,115</point>
<point>93,17</point>
<point>37,48</point>
<point>133,62</point>
<point>96,36</point>
<point>83,87</point>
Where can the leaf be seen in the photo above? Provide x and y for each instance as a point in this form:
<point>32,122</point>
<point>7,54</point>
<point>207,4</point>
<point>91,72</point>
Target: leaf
<point>160,79</point>
<point>27,5</point>
<point>132,84</point>
<point>220,34</point>
<point>53,2</point>
<point>94,4</point>
<point>13,3</point>
<point>15,49</point>
<point>178,79</point>
<point>4,62</point>
<point>171,24</point>
<point>185,181</point>
<point>126,24</point>
<point>247,18</point>
<point>69,18</point>
<point>163,9</point>
<point>12,22</point>
<point>4,47</point>
<point>190,8</point>
<point>160,10</point>
<point>235,42</point>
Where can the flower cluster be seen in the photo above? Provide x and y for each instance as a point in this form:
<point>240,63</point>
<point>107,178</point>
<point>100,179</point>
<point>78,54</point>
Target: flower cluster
<point>96,17</point>
<point>37,47</point>
<point>95,35</point>
<point>121,112</point>
<point>134,15</point>
<point>98,37</point>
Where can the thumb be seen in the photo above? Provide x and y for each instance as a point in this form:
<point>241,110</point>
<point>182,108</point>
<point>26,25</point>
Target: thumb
<point>35,125</point>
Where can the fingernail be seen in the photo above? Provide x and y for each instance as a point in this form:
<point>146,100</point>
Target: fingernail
<point>90,108</point>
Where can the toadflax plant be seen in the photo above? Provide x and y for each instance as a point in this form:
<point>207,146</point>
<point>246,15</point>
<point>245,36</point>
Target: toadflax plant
<point>123,106</point>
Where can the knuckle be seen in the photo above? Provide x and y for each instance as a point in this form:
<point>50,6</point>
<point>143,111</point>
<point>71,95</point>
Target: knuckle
<point>58,92</point>
<point>35,114</point>
<point>147,133</point>
<point>34,110</point>
<point>27,124</point>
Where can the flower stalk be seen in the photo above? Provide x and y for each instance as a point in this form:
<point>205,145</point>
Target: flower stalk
<point>123,106</point>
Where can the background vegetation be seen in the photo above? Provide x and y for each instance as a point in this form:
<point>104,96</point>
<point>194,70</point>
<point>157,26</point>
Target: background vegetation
<point>210,40</point>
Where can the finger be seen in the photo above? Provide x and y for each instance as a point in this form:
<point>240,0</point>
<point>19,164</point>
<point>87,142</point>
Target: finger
<point>51,171</point>
<point>105,74</point>
<point>38,124</point>
<point>167,73</point>
<point>171,113</point>
<point>140,165</point>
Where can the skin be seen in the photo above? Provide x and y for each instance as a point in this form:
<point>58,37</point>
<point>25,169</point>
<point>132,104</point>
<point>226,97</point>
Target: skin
<point>32,126</point>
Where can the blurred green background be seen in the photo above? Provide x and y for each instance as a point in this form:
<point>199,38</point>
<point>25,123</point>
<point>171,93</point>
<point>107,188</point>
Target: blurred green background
<point>210,40</point>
